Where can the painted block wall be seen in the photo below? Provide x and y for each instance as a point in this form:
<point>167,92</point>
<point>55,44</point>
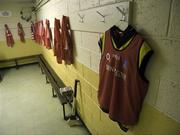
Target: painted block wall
<point>20,49</point>
<point>157,21</point>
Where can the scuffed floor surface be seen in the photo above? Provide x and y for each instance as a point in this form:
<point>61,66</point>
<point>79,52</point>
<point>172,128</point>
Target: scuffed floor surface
<point>27,106</point>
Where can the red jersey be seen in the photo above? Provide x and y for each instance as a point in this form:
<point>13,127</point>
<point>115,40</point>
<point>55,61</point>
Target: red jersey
<point>21,32</point>
<point>9,36</point>
<point>122,87</point>
<point>57,41</point>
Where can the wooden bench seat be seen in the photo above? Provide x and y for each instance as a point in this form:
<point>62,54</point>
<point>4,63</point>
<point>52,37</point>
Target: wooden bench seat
<point>56,82</point>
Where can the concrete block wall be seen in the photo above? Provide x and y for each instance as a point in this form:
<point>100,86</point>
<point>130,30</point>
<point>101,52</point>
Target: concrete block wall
<point>157,21</point>
<point>12,21</point>
<point>20,49</point>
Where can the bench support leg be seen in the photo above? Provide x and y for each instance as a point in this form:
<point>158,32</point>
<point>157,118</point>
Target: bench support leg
<point>53,93</point>
<point>0,78</point>
<point>64,112</point>
<point>17,66</point>
<point>42,71</point>
<point>47,80</point>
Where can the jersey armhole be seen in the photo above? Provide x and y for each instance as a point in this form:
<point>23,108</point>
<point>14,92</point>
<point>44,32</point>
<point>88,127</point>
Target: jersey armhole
<point>144,56</point>
<point>101,42</point>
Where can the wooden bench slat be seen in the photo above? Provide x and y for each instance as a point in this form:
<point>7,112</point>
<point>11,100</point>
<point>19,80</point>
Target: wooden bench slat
<point>55,81</point>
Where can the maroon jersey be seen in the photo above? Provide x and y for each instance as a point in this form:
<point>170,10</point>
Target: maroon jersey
<point>57,41</point>
<point>21,32</point>
<point>67,46</point>
<point>48,35</point>
<point>122,88</point>
<point>9,36</point>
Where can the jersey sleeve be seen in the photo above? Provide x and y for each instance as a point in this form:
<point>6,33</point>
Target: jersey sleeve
<point>144,56</point>
<point>101,42</point>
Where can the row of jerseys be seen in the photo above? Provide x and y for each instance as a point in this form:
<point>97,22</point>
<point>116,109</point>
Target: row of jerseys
<point>62,45</point>
<point>9,36</point>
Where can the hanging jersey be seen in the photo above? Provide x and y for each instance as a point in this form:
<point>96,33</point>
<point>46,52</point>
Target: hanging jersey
<point>42,33</point>
<point>67,45</point>
<point>33,31</point>
<point>48,35</point>
<point>36,36</point>
<point>9,36</point>
<point>122,88</point>
<point>37,32</point>
<point>21,32</point>
<point>57,41</point>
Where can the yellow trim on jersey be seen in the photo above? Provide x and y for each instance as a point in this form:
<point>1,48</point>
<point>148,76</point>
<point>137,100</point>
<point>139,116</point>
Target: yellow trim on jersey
<point>103,41</point>
<point>143,52</point>
<point>123,46</point>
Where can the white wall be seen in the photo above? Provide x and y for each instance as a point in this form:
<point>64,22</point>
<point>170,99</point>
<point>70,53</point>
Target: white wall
<point>19,49</point>
<point>12,21</point>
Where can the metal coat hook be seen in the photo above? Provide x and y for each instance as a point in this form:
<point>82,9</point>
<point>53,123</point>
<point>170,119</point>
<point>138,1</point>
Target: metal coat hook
<point>123,12</point>
<point>104,16</point>
<point>81,17</point>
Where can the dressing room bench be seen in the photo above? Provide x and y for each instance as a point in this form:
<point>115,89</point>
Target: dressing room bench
<point>56,83</point>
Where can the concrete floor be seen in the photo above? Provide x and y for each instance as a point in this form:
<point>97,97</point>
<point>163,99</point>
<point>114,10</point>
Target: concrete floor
<point>27,106</point>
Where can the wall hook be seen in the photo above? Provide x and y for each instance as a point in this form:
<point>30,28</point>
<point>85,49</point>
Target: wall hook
<point>103,16</point>
<point>81,18</point>
<point>123,12</point>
